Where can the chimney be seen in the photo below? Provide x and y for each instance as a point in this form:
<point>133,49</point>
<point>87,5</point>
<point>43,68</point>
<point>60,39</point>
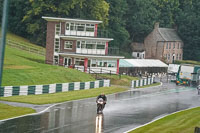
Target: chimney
<point>156,26</point>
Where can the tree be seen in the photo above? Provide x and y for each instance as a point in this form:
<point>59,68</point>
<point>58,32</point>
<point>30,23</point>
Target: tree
<point>36,26</point>
<point>187,20</point>
<point>117,23</point>
<point>141,17</point>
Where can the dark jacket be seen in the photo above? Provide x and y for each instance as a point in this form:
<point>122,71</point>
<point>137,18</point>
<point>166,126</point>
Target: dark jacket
<point>103,97</point>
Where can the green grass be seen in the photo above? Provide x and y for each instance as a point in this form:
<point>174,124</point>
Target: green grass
<point>187,62</point>
<point>63,96</point>
<point>151,85</point>
<point>7,111</point>
<point>22,41</point>
<point>23,68</point>
<point>116,80</point>
<point>182,122</point>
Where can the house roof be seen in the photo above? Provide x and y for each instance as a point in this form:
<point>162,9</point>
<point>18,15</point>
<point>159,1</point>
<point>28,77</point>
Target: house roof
<point>141,63</point>
<point>71,20</point>
<point>169,34</point>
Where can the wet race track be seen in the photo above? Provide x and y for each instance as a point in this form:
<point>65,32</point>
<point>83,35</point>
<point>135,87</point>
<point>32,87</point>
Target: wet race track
<point>123,112</point>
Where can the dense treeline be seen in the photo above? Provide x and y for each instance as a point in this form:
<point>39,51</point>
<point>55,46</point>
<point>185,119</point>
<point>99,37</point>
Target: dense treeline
<point>126,20</point>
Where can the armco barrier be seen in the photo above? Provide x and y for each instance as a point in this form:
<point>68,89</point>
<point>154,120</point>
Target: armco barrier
<point>51,88</point>
<point>142,82</point>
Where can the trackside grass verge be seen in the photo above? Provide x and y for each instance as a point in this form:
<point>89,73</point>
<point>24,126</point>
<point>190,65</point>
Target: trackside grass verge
<point>182,122</point>
<point>151,85</point>
<point>23,68</point>
<point>63,96</point>
<point>124,80</point>
<point>7,111</point>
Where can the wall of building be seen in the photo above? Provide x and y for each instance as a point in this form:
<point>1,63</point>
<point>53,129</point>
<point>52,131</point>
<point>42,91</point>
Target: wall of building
<point>62,42</point>
<point>177,51</point>
<point>50,42</point>
<point>150,42</point>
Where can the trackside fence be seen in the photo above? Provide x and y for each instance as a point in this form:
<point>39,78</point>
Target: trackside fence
<point>51,88</point>
<point>142,82</point>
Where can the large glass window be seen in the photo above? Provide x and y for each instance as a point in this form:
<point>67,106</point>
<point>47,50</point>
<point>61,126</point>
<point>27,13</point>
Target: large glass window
<point>68,45</point>
<point>79,62</point>
<point>78,44</point>
<point>67,26</point>
<point>90,27</point>
<point>94,63</point>
<point>72,27</point>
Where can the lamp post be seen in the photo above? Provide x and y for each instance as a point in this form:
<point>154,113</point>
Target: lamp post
<point>3,38</point>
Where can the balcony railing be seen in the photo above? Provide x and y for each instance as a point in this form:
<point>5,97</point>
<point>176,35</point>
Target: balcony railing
<point>111,51</point>
<point>96,33</point>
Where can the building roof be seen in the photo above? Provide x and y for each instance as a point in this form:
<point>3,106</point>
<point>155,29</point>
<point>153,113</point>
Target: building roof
<point>169,34</point>
<point>70,20</point>
<point>141,63</point>
<point>85,38</point>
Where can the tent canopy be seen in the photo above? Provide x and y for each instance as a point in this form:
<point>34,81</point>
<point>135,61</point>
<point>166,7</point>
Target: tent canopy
<point>141,63</point>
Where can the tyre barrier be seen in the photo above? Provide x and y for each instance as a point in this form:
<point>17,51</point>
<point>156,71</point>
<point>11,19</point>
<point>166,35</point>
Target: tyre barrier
<point>7,91</point>
<point>142,82</point>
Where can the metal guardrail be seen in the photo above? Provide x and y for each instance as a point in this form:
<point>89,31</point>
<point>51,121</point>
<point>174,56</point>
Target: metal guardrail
<point>25,48</point>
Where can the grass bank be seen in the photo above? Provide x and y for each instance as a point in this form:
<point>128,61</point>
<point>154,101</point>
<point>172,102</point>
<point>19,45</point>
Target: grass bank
<point>7,111</point>
<point>124,80</point>
<point>187,62</point>
<point>23,68</point>
<point>182,122</point>
<point>63,96</point>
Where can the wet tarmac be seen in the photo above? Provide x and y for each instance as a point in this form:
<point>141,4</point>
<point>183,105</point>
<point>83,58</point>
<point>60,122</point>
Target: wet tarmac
<point>123,112</point>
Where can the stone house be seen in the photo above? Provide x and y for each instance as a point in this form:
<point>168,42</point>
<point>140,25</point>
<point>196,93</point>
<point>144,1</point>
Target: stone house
<point>163,44</point>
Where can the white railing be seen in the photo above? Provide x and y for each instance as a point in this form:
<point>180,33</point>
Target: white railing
<point>27,48</point>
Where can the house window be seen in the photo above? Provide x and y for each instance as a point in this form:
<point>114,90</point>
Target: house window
<point>176,56</point>
<point>180,56</point>
<point>168,56</point>
<point>68,45</point>
<point>169,45</point>
<point>166,45</point>
<point>56,44</point>
<point>178,46</point>
<point>174,45</point>
<point>181,46</point>
<point>57,29</point>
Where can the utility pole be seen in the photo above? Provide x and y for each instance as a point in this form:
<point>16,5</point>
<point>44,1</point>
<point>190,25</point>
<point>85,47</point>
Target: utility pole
<point>3,37</point>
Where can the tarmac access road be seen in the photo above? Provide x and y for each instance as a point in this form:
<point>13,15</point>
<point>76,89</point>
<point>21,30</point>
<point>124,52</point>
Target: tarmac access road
<point>123,112</point>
